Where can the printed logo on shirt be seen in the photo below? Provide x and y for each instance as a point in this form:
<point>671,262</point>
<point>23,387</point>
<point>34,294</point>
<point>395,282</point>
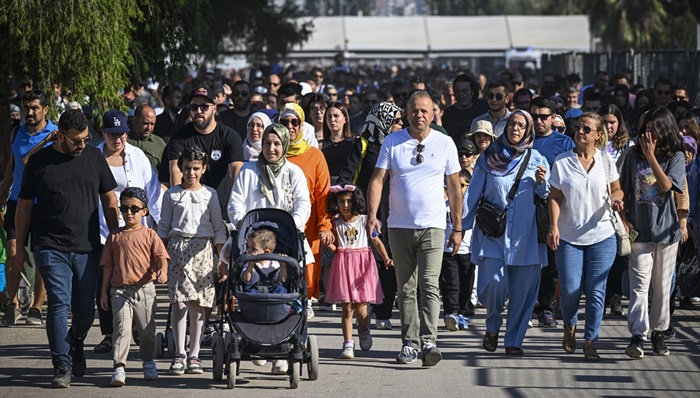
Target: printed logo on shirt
<point>215,155</point>
<point>351,235</point>
<point>646,188</point>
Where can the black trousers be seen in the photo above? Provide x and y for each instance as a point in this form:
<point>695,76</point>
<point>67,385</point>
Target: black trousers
<point>105,317</point>
<point>613,289</point>
<point>549,278</point>
<point>456,284</point>
<point>387,278</point>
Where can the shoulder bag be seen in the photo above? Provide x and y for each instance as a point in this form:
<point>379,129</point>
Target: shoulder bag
<point>624,245</point>
<point>490,218</point>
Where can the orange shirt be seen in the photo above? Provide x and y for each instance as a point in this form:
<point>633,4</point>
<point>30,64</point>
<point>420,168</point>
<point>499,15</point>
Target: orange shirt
<point>132,255</point>
<point>315,168</point>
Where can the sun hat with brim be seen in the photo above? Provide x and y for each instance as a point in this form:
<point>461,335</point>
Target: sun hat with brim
<point>483,126</point>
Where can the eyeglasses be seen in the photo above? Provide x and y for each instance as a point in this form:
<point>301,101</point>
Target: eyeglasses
<point>679,98</point>
<point>134,209</point>
<point>515,125</point>
<point>240,94</point>
<point>586,130</point>
<point>663,92</point>
<point>541,117</point>
<point>82,141</point>
<point>254,125</point>
<point>202,107</point>
<point>287,122</point>
<point>316,109</point>
<point>116,136</point>
<point>498,96</point>
<point>560,129</point>
<point>419,157</point>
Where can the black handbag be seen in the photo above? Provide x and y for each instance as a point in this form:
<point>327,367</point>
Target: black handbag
<point>492,219</point>
<point>542,217</point>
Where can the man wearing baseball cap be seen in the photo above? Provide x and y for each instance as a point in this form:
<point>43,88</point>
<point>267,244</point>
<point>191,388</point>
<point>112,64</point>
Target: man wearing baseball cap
<point>220,142</point>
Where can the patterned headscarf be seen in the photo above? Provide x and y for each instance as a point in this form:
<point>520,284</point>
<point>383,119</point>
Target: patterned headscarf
<point>251,150</point>
<point>501,156</point>
<point>379,121</point>
<point>269,171</point>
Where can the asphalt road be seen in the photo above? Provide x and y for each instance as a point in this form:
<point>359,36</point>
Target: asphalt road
<point>466,369</point>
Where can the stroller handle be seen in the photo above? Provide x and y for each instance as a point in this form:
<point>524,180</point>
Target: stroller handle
<point>246,258</point>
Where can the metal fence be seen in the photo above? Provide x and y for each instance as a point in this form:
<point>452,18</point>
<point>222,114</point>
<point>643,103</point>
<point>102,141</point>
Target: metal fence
<point>679,66</point>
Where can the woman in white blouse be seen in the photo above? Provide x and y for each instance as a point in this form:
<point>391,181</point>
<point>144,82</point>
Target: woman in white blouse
<point>581,230</point>
<point>272,182</point>
<point>130,168</point>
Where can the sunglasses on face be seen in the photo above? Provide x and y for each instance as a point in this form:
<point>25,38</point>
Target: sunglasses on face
<point>586,130</point>
<point>133,209</point>
<point>541,117</point>
<point>202,107</point>
<point>240,94</point>
<point>663,92</point>
<point>464,184</point>
<point>679,98</point>
<point>287,122</point>
<point>82,141</point>
<point>497,97</point>
<point>560,129</point>
<point>115,136</point>
<point>332,94</point>
<point>419,157</point>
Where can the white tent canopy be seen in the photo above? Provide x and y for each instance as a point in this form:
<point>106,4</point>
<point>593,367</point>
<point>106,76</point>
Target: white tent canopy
<point>447,34</point>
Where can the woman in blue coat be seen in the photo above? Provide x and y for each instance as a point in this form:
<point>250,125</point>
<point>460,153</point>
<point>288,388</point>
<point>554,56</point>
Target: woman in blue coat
<point>509,265</point>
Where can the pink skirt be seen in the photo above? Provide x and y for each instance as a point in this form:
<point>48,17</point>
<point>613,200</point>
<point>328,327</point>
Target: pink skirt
<point>353,278</point>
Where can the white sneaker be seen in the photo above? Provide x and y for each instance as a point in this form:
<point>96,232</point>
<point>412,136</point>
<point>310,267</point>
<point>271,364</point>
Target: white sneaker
<point>309,311</point>
<point>695,299</point>
<point>280,367</point>
<point>407,355</point>
<point>259,362</point>
<point>150,372</point>
<point>118,377</point>
<point>529,324</point>
<point>348,351</point>
<point>451,322</point>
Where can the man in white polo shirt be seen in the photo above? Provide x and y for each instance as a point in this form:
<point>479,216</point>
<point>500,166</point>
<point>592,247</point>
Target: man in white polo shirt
<point>417,161</point>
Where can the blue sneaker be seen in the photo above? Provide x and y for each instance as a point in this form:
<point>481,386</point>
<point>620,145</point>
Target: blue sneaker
<point>408,354</point>
<point>462,322</point>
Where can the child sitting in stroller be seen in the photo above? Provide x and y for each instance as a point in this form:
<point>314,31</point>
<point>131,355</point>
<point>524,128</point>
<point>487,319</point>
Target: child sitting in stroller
<point>264,276</point>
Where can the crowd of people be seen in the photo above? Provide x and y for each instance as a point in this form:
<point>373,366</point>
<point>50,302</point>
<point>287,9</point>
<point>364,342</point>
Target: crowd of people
<point>428,190</point>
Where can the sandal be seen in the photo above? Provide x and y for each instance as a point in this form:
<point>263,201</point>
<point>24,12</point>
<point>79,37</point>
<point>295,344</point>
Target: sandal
<point>569,340</point>
<point>589,351</point>
<point>105,346</point>
<point>491,341</point>
<point>515,351</point>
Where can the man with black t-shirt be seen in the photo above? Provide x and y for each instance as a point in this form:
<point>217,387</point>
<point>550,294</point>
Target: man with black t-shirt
<point>165,122</point>
<point>220,142</point>
<point>69,180</point>
<point>457,119</point>
<point>237,118</point>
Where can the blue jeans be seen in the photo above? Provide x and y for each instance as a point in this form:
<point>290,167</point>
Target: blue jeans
<point>585,267</point>
<point>70,280</point>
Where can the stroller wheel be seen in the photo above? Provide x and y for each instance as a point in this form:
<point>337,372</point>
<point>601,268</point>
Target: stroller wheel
<point>312,346</point>
<point>231,378</point>
<point>171,342</point>
<point>294,376</point>
<point>159,345</point>
<point>217,346</point>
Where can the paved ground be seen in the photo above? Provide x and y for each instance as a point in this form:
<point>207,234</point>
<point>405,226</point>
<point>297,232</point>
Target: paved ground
<point>466,370</point>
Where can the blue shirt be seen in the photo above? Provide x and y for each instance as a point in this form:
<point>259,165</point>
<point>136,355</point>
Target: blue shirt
<point>518,244</point>
<point>552,145</point>
<point>23,143</point>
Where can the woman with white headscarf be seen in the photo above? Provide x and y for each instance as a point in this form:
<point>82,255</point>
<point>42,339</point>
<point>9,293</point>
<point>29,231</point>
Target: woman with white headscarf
<point>252,145</point>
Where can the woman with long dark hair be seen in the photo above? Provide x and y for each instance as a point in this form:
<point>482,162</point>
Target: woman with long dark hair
<point>651,172</point>
<point>618,140</point>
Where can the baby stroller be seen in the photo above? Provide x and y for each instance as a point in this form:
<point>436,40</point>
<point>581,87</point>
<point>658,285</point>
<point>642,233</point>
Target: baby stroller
<point>266,326</point>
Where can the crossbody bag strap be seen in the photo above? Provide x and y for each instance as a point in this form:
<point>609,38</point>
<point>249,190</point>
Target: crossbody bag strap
<point>521,171</point>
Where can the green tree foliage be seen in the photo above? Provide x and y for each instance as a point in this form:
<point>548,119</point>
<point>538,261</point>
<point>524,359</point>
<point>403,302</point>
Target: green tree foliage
<point>260,29</point>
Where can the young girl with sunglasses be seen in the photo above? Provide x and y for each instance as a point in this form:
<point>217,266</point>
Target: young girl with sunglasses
<point>353,279</point>
<point>190,222</point>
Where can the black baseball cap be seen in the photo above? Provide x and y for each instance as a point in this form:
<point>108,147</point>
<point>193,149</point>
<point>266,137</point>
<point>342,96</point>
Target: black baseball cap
<point>467,147</point>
